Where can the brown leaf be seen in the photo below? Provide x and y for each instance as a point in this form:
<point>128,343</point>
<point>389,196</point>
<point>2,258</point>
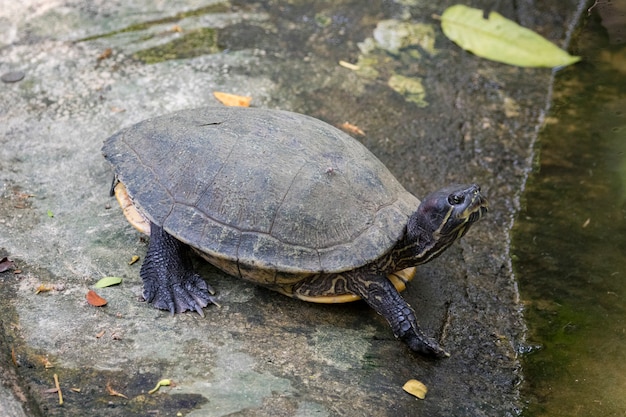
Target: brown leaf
<point>44,361</point>
<point>94,299</point>
<point>232,99</point>
<point>6,264</point>
<point>105,54</point>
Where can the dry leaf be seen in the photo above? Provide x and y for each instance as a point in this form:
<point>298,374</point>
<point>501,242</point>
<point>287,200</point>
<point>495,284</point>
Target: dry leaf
<point>232,99</point>
<point>94,299</point>
<point>105,54</point>
<point>43,288</point>
<point>114,393</point>
<point>348,65</point>
<point>416,388</point>
<point>350,128</point>
<point>134,259</point>
<point>6,264</point>
<point>44,361</point>
<point>100,334</point>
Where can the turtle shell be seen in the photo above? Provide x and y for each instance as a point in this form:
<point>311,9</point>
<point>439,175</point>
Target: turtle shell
<point>267,195</point>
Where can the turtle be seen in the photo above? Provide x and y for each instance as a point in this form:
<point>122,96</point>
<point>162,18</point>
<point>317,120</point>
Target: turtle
<point>284,200</point>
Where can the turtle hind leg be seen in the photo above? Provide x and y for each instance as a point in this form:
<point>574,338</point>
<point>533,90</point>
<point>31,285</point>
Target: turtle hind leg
<point>169,281</point>
<point>380,294</point>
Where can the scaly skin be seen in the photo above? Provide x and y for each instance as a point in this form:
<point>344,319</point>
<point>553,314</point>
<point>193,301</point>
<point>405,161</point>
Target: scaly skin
<point>169,281</point>
<point>443,217</point>
<point>380,294</point>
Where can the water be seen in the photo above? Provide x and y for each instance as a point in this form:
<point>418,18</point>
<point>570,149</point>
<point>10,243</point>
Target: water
<point>570,239</point>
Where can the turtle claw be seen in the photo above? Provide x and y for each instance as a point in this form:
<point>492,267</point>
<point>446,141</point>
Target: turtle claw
<point>169,281</point>
<point>424,346</point>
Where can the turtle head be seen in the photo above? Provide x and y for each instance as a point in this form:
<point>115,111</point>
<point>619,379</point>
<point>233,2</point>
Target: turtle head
<point>443,217</point>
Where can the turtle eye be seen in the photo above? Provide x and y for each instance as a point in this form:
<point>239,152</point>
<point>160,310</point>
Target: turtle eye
<point>456,199</point>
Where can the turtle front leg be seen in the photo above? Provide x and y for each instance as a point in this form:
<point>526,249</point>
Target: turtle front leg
<point>380,294</point>
<point>169,281</point>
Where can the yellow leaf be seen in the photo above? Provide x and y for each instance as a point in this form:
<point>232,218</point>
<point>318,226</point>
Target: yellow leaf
<point>348,65</point>
<point>500,39</point>
<point>416,388</point>
<point>161,383</point>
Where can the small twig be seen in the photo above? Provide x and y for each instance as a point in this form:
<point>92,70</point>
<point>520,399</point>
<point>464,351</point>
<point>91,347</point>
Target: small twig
<point>446,324</point>
<point>58,387</point>
<point>595,3</point>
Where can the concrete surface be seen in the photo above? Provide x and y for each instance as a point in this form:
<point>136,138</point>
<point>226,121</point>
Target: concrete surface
<point>261,354</point>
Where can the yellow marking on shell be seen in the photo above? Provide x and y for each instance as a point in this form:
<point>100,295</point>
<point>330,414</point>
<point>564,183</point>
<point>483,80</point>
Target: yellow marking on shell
<point>134,217</point>
<point>398,279</point>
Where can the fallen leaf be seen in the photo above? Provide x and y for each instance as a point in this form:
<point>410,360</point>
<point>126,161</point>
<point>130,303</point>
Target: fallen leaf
<point>6,264</point>
<point>134,259</point>
<point>500,39</point>
<point>161,383</point>
<point>350,128</point>
<point>232,99</point>
<point>348,65</point>
<point>107,282</point>
<point>105,54</point>
<point>94,299</point>
<point>415,388</point>
<point>50,214</point>
<point>43,288</point>
<point>114,393</point>
<point>410,87</point>
<point>22,199</point>
<point>45,362</point>
<point>100,334</point>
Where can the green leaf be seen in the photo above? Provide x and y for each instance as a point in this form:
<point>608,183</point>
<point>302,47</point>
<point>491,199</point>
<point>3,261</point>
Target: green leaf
<point>50,214</point>
<point>500,39</point>
<point>108,281</point>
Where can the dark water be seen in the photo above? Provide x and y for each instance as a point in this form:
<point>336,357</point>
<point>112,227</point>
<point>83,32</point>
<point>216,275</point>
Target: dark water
<point>570,239</point>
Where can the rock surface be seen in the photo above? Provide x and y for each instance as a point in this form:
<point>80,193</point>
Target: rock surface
<point>261,353</point>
